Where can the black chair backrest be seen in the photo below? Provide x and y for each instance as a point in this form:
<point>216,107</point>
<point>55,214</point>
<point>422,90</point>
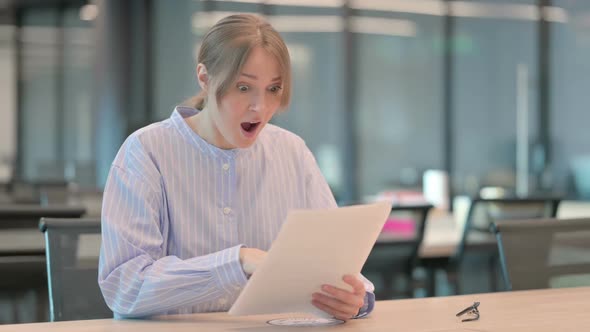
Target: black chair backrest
<point>405,252</point>
<point>544,253</point>
<point>73,247</point>
<point>420,212</point>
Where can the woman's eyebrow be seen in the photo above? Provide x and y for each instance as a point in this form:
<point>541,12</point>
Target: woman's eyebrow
<point>254,77</point>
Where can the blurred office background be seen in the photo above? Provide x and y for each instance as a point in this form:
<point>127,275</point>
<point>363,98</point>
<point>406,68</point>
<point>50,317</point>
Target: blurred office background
<point>490,93</point>
<point>383,89</point>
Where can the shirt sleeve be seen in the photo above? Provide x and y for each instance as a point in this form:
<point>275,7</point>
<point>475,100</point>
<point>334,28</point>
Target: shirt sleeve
<point>320,196</point>
<point>135,276</point>
<point>369,303</point>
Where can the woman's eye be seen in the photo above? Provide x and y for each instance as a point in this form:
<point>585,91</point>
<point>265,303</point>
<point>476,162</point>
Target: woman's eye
<point>243,88</point>
<point>275,89</point>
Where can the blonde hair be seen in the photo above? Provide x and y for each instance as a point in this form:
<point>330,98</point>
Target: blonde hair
<point>225,49</point>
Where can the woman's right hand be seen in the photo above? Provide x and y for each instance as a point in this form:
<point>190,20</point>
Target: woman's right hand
<point>251,258</point>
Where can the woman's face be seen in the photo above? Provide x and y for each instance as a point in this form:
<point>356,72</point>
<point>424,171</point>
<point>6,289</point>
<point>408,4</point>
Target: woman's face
<point>249,103</point>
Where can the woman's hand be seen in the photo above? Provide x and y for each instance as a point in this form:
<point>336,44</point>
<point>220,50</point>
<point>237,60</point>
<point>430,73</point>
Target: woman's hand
<point>340,303</point>
<point>251,258</point>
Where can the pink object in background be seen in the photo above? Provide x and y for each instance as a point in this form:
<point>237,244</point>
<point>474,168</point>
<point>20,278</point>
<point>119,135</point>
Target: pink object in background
<point>399,226</point>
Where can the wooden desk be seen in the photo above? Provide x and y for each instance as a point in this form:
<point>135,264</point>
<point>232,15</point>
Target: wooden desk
<point>19,226</point>
<point>21,241</point>
<point>441,237</point>
<point>539,311</point>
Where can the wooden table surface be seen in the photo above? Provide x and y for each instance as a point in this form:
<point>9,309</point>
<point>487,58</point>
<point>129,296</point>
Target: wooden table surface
<point>539,311</point>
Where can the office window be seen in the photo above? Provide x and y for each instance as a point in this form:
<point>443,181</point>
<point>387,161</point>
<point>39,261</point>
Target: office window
<point>317,111</point>
<point>569,98</point>
<point>174,57</point>
<point>56,105</point>
<point>39,108</point>
<point>399,91</point>
<point>78,86</point>
<point>492,42</point>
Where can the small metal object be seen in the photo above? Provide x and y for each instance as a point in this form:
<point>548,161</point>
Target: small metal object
<point>471,310</point>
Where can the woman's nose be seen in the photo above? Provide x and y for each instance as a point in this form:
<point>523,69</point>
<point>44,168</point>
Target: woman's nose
<point>258,103</point>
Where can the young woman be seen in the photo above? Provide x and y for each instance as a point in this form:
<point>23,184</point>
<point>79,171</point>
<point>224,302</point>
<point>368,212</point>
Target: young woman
<point>192,203</point>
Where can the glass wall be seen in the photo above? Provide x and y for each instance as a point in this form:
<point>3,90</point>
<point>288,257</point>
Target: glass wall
<point>370,81</point>
<point>173,44</point>
<point>317,111</point>
<point>569,98</point>
<point>78,73</point>
<point>56,96</point>
<point>494,81</point>
<point>39,96</point>
<point>399,66</point>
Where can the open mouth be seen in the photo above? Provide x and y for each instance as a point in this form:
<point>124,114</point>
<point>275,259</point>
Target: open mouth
<point>250,127</point>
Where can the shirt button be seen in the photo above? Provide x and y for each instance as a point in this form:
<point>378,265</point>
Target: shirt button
<point>222,301</point>
<point>226,210</point>
<point>225,167</point>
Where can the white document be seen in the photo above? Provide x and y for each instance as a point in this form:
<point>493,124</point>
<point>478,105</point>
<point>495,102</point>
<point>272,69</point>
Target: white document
<point>314,247</point>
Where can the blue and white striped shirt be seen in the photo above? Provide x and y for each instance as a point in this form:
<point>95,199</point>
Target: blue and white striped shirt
<point>176,211</point>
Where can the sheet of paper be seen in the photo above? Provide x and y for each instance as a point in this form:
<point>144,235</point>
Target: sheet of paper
<point>314,247</point>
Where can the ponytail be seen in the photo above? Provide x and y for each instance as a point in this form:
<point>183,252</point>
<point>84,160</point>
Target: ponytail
<point>197,102</point>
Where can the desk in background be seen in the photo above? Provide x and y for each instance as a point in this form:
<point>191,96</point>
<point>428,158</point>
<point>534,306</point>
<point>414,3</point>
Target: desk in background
<point>442,234</point>
<point>441,237</point>
<point>540,311</point>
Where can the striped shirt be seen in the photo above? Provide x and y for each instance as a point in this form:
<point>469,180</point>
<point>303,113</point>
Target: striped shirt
<point>176,211</point>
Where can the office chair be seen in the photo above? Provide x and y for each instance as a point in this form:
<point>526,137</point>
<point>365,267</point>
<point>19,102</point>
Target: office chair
<point>72,268</point>
<point>22,257</point>
<point>477,237</point>
<point>544,253</point>
<point>398,257</point>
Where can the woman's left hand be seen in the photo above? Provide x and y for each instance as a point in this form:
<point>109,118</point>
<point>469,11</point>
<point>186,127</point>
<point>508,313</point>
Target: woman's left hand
<point>340,303</point>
